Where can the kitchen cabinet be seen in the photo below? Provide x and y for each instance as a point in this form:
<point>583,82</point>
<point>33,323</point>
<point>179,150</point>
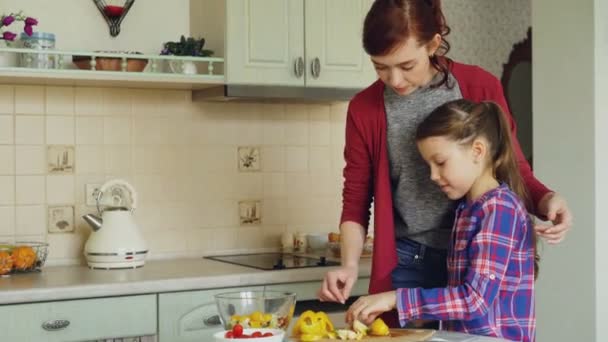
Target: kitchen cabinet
<point>191,315</point>
<point>79,320</point>
<point>297,43</point>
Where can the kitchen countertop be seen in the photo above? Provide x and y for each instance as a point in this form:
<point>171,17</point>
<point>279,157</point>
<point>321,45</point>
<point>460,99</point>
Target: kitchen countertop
<point>72,282</point>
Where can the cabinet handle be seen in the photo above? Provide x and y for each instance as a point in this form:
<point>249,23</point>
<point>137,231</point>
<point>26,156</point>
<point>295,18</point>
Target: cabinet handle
<point>315,67</point>
<point>55,324</point>
<point>212,321</point>
<point>298,67</point>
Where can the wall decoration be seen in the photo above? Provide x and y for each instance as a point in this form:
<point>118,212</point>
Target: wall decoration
<point>249,158</point>
<point>250,212</point>
<point>114,14</point>
<point>60,159</point>
<point>61,219</point>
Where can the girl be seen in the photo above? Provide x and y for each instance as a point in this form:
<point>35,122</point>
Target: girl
<point>412,218</point>
<point>491,257</point>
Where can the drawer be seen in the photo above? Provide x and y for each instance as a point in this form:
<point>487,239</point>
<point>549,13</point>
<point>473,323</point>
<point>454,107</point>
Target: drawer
<point>192,315</point>
<point>87,319</point>
<point>308,290</point>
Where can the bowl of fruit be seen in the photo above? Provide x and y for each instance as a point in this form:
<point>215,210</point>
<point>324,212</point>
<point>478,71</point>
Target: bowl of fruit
<point>256,309</point>
<point>259,335</point>
<point>22,257</point>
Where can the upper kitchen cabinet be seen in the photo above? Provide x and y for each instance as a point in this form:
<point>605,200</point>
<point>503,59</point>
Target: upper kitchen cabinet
<point>297,43</point>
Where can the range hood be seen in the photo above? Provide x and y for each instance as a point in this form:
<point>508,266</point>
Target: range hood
<point>261,93</point>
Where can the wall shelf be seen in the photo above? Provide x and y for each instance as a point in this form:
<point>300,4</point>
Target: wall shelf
<point>62,71</point>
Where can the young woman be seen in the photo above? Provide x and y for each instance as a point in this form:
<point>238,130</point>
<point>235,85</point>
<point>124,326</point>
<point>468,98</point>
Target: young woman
<point>412,218</point>
<point>491,258</point>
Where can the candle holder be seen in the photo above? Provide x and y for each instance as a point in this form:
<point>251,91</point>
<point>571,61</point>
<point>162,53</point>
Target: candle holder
<point>113,14</point>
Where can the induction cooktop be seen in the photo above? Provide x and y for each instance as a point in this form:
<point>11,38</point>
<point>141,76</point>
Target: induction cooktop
<point>274,261</point>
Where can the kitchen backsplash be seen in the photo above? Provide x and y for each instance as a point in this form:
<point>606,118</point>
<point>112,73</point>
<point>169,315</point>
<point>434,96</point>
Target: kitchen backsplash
<point>211,177</point>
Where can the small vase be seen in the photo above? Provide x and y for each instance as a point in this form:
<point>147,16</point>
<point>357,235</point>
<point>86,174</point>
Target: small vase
<point>183,67</point>
<point>7,59</point>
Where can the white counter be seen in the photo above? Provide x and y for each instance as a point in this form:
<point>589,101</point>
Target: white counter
<point>72,282</point>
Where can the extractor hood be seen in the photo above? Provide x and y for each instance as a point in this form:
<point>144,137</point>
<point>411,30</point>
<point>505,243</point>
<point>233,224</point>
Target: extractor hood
<point>261,93</point>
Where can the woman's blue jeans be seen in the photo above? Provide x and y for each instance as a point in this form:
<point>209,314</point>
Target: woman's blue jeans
<point>419,266</point>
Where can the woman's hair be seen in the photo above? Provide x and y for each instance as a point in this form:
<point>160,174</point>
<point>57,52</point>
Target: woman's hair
<point>390,22</point>
<point>464,121</point>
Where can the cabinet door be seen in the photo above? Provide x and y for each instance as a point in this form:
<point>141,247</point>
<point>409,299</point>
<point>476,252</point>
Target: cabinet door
<point>190,316</point>
<point>333,44</point>
<point>79,320</point>
<point>264,41</point>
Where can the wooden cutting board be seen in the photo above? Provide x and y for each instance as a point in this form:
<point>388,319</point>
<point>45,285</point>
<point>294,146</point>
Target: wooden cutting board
<point>397,335</point>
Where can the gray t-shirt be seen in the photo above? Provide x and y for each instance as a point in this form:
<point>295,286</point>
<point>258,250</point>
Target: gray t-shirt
<point>421,211</point>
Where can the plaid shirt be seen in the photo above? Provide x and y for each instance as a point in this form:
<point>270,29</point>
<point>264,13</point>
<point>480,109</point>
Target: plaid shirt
<point>490,272</point>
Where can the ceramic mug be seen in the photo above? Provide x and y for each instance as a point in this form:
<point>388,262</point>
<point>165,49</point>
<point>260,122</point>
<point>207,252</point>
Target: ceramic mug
<point>301,242</point>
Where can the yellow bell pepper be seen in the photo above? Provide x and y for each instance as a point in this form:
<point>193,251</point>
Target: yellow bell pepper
<point>378,328</point>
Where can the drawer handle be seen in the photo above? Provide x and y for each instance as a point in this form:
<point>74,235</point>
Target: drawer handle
<point>55,324</point>
<point>212,321</point>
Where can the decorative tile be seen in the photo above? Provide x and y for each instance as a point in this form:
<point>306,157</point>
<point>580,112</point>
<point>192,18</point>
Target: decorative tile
<point>60,159</point>
<point>250,158</point>
<point>61,219</point>
<point>250,212</point>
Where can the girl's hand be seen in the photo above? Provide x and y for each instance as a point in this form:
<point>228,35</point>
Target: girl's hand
<point>338,284</point>
<point>555,208</point>
<point>367,308</point>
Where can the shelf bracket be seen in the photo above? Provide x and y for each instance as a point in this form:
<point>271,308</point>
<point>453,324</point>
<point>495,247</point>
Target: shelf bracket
<point>114,14</point>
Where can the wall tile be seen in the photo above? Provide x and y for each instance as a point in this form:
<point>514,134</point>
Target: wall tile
<point>296,159</point>
<point>7,195</point>
<point>273,159</point>
<point>7,160</point>
<point>30,190</point>
<point>274,185</point>
<point>117,160</point>
<point>88,101</point>
<point>7,99</point>
<point>60,130</point>
<point>29,100</point>
<point>89,130</point>
<point>7,221</point>
<point>29,130</point>
<point>60,189</point>
<point>273,123</point>
<point>117,130</point>
<point>90,159</point>
<point>7,129</point>
<point>30,220</point>
<point>60,101</point>
<point>296,125</point>
<point>319,159</point>
<point>116,101</point>
<point>319,125</point>
<point>31,160</point>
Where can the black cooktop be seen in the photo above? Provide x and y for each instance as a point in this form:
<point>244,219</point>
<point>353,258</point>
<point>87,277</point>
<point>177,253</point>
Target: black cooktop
<point>274,261</point>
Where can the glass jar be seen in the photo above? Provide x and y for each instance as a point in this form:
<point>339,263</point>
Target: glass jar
<point>38,41</point>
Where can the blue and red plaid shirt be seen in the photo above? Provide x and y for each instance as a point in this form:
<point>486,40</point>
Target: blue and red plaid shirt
<point>490,272</point>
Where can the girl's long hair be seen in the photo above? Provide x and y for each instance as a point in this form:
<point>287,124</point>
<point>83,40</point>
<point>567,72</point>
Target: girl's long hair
<point>463,121</point>
<point>391,22</point>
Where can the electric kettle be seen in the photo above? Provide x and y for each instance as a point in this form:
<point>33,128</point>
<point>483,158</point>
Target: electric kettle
<point>115,241</point>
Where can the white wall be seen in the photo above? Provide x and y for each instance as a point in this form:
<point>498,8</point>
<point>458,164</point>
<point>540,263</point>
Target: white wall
<point>78,24</point>
<point>601,167</point>
<point>484,31</point>
<point>564,158</point>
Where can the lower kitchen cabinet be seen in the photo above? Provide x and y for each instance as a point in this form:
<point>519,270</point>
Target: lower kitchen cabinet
<point>191,315</point>
<point>79,320</point>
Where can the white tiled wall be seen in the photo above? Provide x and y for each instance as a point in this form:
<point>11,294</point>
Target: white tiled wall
<point>180,156</point>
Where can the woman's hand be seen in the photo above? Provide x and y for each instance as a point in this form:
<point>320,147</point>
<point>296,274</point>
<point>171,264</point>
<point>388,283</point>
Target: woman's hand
<point>338,284</point>
<point>555,208</point>
<point>367,308</point>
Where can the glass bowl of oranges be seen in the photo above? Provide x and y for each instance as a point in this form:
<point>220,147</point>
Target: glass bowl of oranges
<point>256,309</point>
<point>22,256</point>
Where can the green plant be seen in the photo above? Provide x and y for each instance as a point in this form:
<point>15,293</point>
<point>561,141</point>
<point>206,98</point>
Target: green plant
<point>186,47</point>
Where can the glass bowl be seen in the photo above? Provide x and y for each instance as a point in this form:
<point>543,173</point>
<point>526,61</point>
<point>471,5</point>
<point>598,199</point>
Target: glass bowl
<point>256,309</point>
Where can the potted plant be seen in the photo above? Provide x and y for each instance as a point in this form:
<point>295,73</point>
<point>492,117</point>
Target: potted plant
<point>9,59</point>
<point>190,47</point>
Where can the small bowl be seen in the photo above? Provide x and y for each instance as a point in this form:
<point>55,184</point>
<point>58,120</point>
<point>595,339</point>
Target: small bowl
<point>256,309</point>
<point>278,335</point>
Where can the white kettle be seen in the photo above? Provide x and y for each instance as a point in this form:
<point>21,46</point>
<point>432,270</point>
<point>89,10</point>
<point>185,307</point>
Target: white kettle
<point>115,241</point>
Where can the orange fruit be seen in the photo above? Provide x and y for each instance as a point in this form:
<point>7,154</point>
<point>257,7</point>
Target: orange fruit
<point>6,262</point>
<point>24,257</point>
